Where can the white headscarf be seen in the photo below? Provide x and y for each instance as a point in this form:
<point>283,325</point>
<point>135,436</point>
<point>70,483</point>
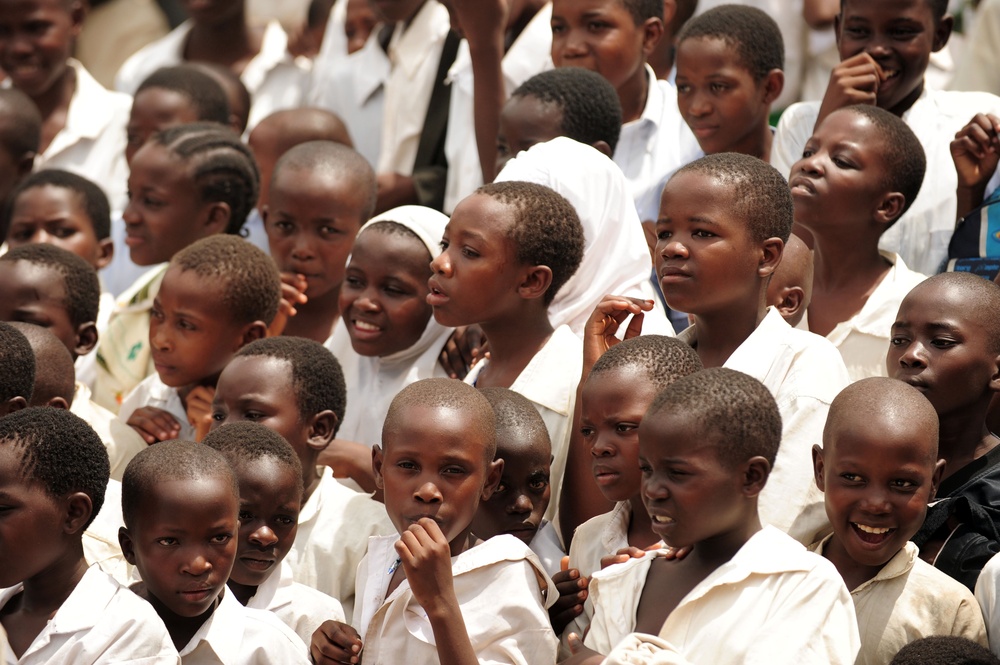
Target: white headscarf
<point>372,382</point>
<point>615,255</point>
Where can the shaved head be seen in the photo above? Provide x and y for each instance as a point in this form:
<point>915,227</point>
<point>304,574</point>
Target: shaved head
<point>55,375</point>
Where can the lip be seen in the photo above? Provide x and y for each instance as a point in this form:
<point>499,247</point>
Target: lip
<point>661,523</point>
<point>134,239</point>
<point>364,330</point>
<point>413,519</point>
<point>801,184</point>
<point>605,475</point>
<point>703,131</point>
<point>437,297</point>
<point>670,274</point>
<point>197,595</point>
<point>521,527</point>
<point>870,539</point>
<point>257,564</point>
<point>917,383</point>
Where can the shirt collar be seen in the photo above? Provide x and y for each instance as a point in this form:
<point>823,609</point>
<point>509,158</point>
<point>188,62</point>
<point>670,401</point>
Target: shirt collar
<point>264,596</point>
<point>273,52</point>
<point>84,606</point>
<point>747,357</point>
<point>222,632</point>
<point>408,47</point>
<point>83,120</point>
<point>900,564</point>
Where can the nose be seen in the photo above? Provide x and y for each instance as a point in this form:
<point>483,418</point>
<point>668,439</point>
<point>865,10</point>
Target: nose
<point>700,105</point>
<point>302,250</point>
<point>441,265</point>
<point>263,536</point>
<point>601,447</point>
<point>522,505</point>
<point>653,488</point>
<point>671,248</point>
<point>913,356</point>
<point>876,501</point>
<point>197,565</point>
<point>878,47</point>
<point>131,215</point>
<point>810,164</point>
<point>368,301</point>
<point>428,492</point>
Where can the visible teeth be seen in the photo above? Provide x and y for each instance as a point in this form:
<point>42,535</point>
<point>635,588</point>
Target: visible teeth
<point>659,519</point>
<point>891,73</point>
<point>871,529</point>
<point>367,327</point>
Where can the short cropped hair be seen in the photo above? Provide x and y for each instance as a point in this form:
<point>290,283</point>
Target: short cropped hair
<point>335,159</point>
<point>950,649</point>
<point>643,10</point>
<point>546,229</point>
<point>981,298</point>
<point>21,129</point>
<point>83,289</point>
<point>516,416</point>
<point>203,92</point>
<point>449,394</point>
<point>243,442</point>
<point>17,364</point>
<point>751,33</point>
<point>170,460</point>
<point>250,279</point>
<point>90,197</point>
<point>591,110</point>
<point>662,359</point>
<point>735,408</point>
<point>60,451</point>
<point>237,95</point>
<point>55,375</point>
<point>938,7</point>
<point>317,378</point>
<point>760,194</point>
<point>685,10</point>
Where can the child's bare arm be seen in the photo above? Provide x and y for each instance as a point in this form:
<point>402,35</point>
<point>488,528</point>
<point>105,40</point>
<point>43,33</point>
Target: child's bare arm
<point>335,642</point>
<point>426,557</point>
<point>976,153</point>
<point>853,81</point>
<point>154,424</point>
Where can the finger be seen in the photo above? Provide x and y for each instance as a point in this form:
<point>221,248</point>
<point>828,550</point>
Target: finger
<point>634,326</point>
<point>574,642</point>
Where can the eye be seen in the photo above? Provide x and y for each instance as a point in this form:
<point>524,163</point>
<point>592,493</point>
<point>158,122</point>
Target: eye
<point>683,88</point>
<point>166,542</point>
<point>406,465</point>
<point>664,235</point>
<point>851,477</point>
<point>221,538</point>
<point>702,233</point>
<point>444,244</point>
<point>454,470</point>
<point>184,324</point>
<point>328,230</point>
<point>353,282</point>
<point>943,342</point>
<point>904,484</point>
<point>245,516</point>
<point>285,521</point>
<point>598,26</point>
<point>625,428</point>
<point>284,226</point>
<point>586,431</point>
<point>539,484</point>
<point>64,232</point>
<point>218,416</point>
<point>156,313</point>
<point>718,87</point>
<point>558,28</point>
<point>645,468</point>
<point>470,253</point>
<point>254,416</point>
<point>898,340</point>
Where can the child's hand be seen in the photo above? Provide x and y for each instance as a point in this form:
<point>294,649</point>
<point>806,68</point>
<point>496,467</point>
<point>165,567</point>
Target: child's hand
<point>426,557</point>
<point>335,642</point>
<point>572,588</point>
<point>626,553</point>
<point>154,425</point>
<point>853,81</point>
<point>481,21</point>
<point>199,410</point>
<point>976,150</point>
<point>293,292</point>
<point>600,331</point>
<point>466,346</point>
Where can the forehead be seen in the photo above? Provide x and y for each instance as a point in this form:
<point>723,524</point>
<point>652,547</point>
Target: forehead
<point>940,302</point>
<point>887,10</point>
<point>191,291</point>
<point>47,200</point>
<point>878,441</point>
<point>708,52</point>
<point>158,164</point>
<point>694,193</point>
<point>12,475</point>
<point>530,112</point>
<point>671,434</point>
<point>23,282</point>
<point>246,375</point>
<point>567,8</point>
<point>267,476</point>
<point>190,503</point>
<point>483,216</point>
<point>521,445</point>
<point>163,105</point>
<point>383,251</point>
<point>332,186</point>
<point>451,428</point>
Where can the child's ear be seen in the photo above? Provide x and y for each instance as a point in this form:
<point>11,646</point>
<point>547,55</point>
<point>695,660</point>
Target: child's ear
<point>322,430</point>
<point>105,252</point>
<point>493,474</point>
<point>774,83</point>
<point>792,299</point>
<point>755,475</point>
<point>79,508</point>
<point>12,405</point>
<point>125,541</point>
<point>603,148</point>
<point>942,33</point>
<point>818,467</point>
<point>936,478</point>
<point>890,208</point>
<point>770,256</point>
<point>58,403</point>
<point>652,33</point>
<point>377,466</point>
<point>253,331</point>
<point>77,13</point>
<point>218,215</point>
<point>536,282</point>
<point>86,338</point>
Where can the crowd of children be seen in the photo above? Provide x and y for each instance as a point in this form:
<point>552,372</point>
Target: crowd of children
<point>498,331</point>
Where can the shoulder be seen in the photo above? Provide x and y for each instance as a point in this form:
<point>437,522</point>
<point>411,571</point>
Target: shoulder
<point>960,103</point>
<point>798,116</point>
<point>929,582</point>
<point>264,633</point>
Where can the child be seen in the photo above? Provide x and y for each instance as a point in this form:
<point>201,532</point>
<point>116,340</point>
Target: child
<point>270,478</point>
<point>54,375</point>
<point>359,23</point>
<point>883,66</point>
<point>321,193</point>
<point>744,593</point>
<point>791,285</point>
<point>218,295</point>
<point>18,365</point>
<point>878,468</point>
<point>722,227</point>
<point>859,173</point>
<point>20,133</point>
<point>53,608</point>
<point>946,343</point>
<point>187,182</point>
<point>676,13</point>
<point>944,649</point>
<point>295,387</point>
<point>82,123</point>
<point>180,502</point>
<point>506,252</point>
<point>484,601</point>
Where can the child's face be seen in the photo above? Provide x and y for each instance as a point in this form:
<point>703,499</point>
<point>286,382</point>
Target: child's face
<point>602,36</point>
<point>55,215</point>
<point>476,276</point>
<point>614,402</point>
<point>525,121</point>
<point>392,11</point>
<point>359,21</point>
<point>718,97</point>
<point>383,300</point>
<point>184,543</point>
<point>900,35</point>
<point>522,497</point>
<point>36,38</point>
<point>36,294</point>
<point>432,465</point>
<point>165,212</point>
<point>190,332</point>
<point>941,347</point>
<point>705,257</point>
<point>311,223</point>
<point>270,500</point>
<point>153,110</point>
<point>212,11</point>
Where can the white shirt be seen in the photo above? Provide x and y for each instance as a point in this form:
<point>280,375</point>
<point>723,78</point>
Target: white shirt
<point>237,635</point>
<point>153,392</point>
<point>921,236</point>
<point>804,372</point>
<point>334,527</point>
<point>501,590</point>
<point>299,607</point>
<point>547,546</point>
<point>772,603</point>
<point>100,622</point>
<point>863,340</point>
<point>530,54</point>
<point>987,587</point>
<point>333,50</point>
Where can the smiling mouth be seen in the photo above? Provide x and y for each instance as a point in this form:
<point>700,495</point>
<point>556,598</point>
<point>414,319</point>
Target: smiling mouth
<point>889,74</point>
<point>873,535</point>
<point>364,326</point>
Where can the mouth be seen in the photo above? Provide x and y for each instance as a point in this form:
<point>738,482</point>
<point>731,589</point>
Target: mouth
<point>703,131</point>
<point>888,73</point>
<point>661,524</point>
<point>872,535</point>
<point>436,297</point>
<point>133,239</point>
<point>364,330</point>
<point>197,595</point>
<point>605,476</point>
<point>801,185</point>
<point>669,274</point>
<point>914,382</point>
<point>256,564</point>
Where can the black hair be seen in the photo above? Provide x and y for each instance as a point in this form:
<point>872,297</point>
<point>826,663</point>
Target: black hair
<point>944,649</point>
<point>170,460</point>
<point>203,91</point>
<point>83,289</point>
<point>591,110</point>
<point>516,418</point>
<point>250,279</point>
<point>736,409</point>
<point>234,90</point>
<point>938,8</point>
<point>643,10</point>
<point>334,159</point>
<point>60,451</point>
<point>662,359</point>
<point>243,442</point>
<point>317,379</point>
<point>55,375</point>
<point>91,198</point>
<point>318,12</point>
<point>222,167</point>
<point>546,229</point>
<point>753,34</point>
<point>21,130</point>
<point>759,193</point>
<point>390,228</point>
<point>685,10</point>
<point>981,298</point>
<point>17,365</point>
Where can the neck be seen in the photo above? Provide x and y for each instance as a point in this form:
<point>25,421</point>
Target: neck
<point>757,143</point>
<point>721,333</point>
<point>59,95</point>
<point>45,593</point>
<point>854,573</point>
<point>181,629</point>
<point>964,438</point>
<point>720,549</point>
<point>640,526</point>
<point>633,94</point>
<point>904,105</point>
<point>242,592</point>
<point>315,318</point>
<point>514,340</point>
<point>841,261</point>
<point>310,477</point>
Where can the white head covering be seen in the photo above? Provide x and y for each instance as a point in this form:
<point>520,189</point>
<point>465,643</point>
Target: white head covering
<point>615,255</point>
<point>372,382</point>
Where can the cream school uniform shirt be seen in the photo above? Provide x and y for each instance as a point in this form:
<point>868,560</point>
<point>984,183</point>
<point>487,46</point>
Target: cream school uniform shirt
<point>299,607</point>
<point>863,340</point>
<point>501,589</point>
<point>100,622</point>
<point>155,393</point>
<point>987,587</point>
<point>100,539</point>
<point>773,602</point>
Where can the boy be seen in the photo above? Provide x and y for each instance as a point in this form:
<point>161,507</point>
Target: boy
<point>506,252</point>
<point>435,592</point>
<point>270,480</point>
<point>790,288</point>
<point>878,468</point>
<point>53,608</point>
<point>54,375</point>
<point>884,66</point>
<point>295,387</point>
<point>722,228</point>
<point>744,593</point>
<point>180,503</point>
<point>861,170</point>
<point>218,295</point>
<point>676,13</point>
<point>946,343</point>
<point>20,133</point>
<point>17,363</point>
